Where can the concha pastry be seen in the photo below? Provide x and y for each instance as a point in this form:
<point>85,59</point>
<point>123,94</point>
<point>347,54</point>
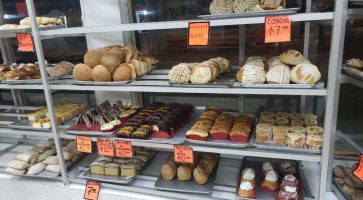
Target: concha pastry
<point>180,73</point>
<point>221,7</point>
<point>251,74</point>
<point>292,57</point>
<point>240,6</point>
<point>354,62</point>
<point>305,74</point>
<point>201,74</point>
<point>279,74</point>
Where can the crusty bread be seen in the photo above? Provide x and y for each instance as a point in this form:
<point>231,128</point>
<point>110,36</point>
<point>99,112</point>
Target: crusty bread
<point>121,53</point>
<point>251,74</point>
<point>279,74</point>
<point>110,61</point>
<point>100,73</point>
<point>134,51</point>
<point>82,72</point>
<point>305,74</point>
<point>122,72</point>
<point>292,57</point>
<point>92,58</point>
<point>201,74</point>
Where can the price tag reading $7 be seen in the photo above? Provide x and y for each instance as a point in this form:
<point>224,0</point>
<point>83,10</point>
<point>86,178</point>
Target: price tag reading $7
<point>277,29</point>
<point>105,147</point>
<point>183,154</point>
<point>92,190</point>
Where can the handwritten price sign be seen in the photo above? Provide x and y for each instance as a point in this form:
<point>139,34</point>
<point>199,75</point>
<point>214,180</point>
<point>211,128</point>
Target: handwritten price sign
<point>123,149</point>
<point>359,171</point>
<point>84,144</point>
<point>105,147</point>
<point>183,154</point>
<point>198,34</point>
<point>25,42</point>
<point>278,29</point>
<point>92,190</point>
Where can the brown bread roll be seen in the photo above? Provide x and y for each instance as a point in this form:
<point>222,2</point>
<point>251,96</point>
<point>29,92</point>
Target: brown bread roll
<point>82,72</point>
<point>339,180</point>
<point>200,176</point>
<point>92,58</point>
<point>133,50</point>
<point>100,73</point>
<point>168,172</point>
<point>121,53</point>
<point>110,60</point>
<point>184,172</point>
<point>339,171</point>
<point>353,182</point>
<point>349,190</point>
<point>123,72</point>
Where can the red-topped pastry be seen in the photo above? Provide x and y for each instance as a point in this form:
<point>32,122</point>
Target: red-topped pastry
<point>289,180</point>
<point>288,193</point>
<point>287,167</point>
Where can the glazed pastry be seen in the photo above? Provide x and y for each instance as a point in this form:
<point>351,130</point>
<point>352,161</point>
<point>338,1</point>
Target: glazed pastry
<point>314,130</point>
<point>292,57</point>
<point>263,133</point>
<point>36,169</point>
<point>221,7</point>
<point>266,166</point>
<point>246,190</point>
<point>271,180</point>
<point>296,140</point>
<point>248,175</point>
<point>297,129</point>
<point>288,167</point>
<point>305,74</point>
<point>279,74</point>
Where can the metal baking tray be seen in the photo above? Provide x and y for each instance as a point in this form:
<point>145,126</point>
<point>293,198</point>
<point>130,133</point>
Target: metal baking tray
<point>352,74</point>
<point>287,11</point>
<point>256,164</point>
<point>187,186</point>
<point>178,138</point>
<point>279,147</point>
<point>284,86</point>
<point>224,143</point>
<point>25,30</point>
<point>71,131</point>
<point>26,125</point>
<point>340,188</point>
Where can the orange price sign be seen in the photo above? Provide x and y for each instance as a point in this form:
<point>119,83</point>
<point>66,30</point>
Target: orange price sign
<point>198,34</point>
<point>183,154</point>
<point>105,147</point>
<point>25,42</point>
<point>92,190</point>
<point>359,171</point>
<point>278,29</point>
<point>84,144</point>
<point>123,149</point>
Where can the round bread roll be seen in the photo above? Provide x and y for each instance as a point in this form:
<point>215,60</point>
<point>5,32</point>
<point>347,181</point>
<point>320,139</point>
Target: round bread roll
<point>305,74</point>
<point>134,51</point>
<point>251,74</point>
<point>100,73</point>
<point>180,73</point>
<point>353,182</point>
<point>110,60</point>
<point>121,53</point>
<point>349,190</point>
<point>279,74</point>
<point>339,171</point>
<point>201,74</point>
<point>82,72</point>
<point>273,61</point>
<point>92,58</point>
<point>137,66</point>
<point>292,57</point>
<point>339,180</point>
<point>184,173</point>
<point>168,172</point>
<point>221,7</point>
<point>200,176</point>
<point>240,6</point>
<point>123,72</point>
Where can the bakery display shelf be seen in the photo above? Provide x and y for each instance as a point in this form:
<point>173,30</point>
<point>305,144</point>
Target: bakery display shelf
<point>266,13</point>
<point>352,74</point>
<point>319,85</point>
<point>280,147</point>
<point>338,190</point>
<point>11,131</point>
<point>72,131</point>
<point>35,81</point>
<point>23,86</point>
<point>191,186</point>
<point>26,125</point>
<point>346,138</point>
<point>180,24</point>
<point>256,165</point>
<point>155,77</point>
<point>6,33</point>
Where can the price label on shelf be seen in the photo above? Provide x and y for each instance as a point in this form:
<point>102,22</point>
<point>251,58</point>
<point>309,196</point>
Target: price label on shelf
<point>105,147</point>
<point>123,149</point>
<point>183,154</point>
<point>278,29</point>
<point>25,42</point>
<point>359,171</point>
<point>84,144</point>
<point>92,190</point>
<point>198,34</point>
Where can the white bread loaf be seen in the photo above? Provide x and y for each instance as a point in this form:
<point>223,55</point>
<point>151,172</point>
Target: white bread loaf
<point>53,168</point>
<point>36,169</point>
<point>10,170</point>
<point>15,164</point>
<point>251,74</point>
<point>273,61</point>
<point>305,74</point>
<point>201,74</point>
<point>221,7</point>
<point>279,74</point>
<point>292,57</point>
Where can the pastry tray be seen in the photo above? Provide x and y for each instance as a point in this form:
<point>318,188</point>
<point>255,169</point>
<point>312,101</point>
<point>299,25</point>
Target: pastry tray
<point>352,74</point>
<point>71,131</point>
<point>279,147</point>
<point>287,11</point>
<point>283,86</point>
<point>256,164</point>
<point>224,143</point>
<point>179,136</point>
<point>26,125</point>
<point>340,188</point>
<point>187,186</point>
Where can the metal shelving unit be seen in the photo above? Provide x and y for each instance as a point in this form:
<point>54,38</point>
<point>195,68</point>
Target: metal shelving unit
<point>331,93</point>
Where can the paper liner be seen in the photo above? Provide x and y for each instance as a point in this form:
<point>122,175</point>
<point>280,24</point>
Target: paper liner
<point>219,136</point>
<point>268,189</point>
<point>239,138</point>
<point>196,137</point>
<point>277,197</point>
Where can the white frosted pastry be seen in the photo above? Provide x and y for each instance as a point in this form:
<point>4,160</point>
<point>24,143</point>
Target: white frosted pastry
<point>180,73</point>
<point>24,157</point>
<point>53,168</point>
<point>292,57</point>
<point>240,6</point>
<point>18,164</point>
<point>251,74</point>
<point>10,170</point>
<point>36,169</point>
<point>273,61</point>
<point>221,7</point>
<point>51,160</point>
<point>305,74</point>
<point>279,74</point>
<point>271,176</point>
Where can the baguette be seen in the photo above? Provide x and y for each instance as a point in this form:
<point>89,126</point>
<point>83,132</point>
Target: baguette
<point>46,154</point>
<point>15,164</point>
<point>51,160</point>
<point>36,169</point>
<point>53,168</point>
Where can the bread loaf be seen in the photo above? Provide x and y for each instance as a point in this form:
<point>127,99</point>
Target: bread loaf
<point>133,50</point>
<point>292,57</point>
<point>92,58</point>
<point>82,72</point>
<point>201,74</point>
<point>100,73</point>
<point>279,74</point>
<point>110,61</point>
<point>137,66</point>
<point>251,74</point>
<point>123,72</point>
<point>221,7</point>
<point>305,74</point>
<point>120,52</point>
<point>180,73</point>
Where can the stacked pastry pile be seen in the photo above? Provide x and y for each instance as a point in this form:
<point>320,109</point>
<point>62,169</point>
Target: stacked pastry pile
<point>113,63</point>
<point>199,73</point>
<point>352,186</point>
<point>240,6</point>
<point>220,126</point>
<point>292,129</point>
<point>278,70</point>
<point>127,167</point>
<point>105,117</point>
<point>200,170</point>
<point>288,188</point>
<point>61,68</point>
<point>43,157</point>
<point>63,112</point>
<point>41,21</point>
<point>20,71</point>
<point>355,65</point>
<point>158,119</point>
